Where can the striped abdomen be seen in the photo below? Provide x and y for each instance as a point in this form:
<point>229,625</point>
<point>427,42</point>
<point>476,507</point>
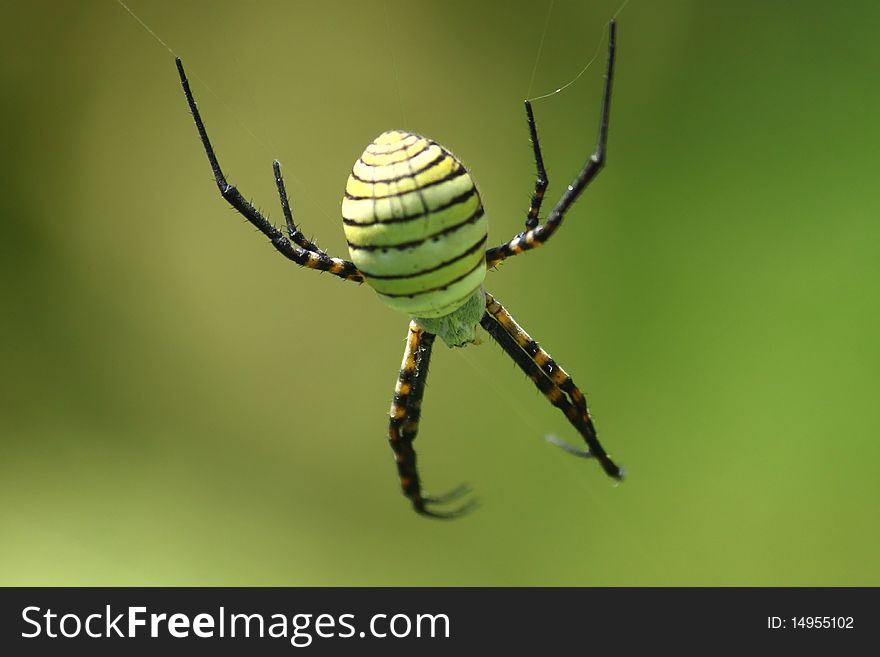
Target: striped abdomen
<point>414,224</point>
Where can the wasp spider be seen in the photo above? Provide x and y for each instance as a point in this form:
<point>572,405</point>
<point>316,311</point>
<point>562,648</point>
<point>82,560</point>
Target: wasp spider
<point>417,235</point>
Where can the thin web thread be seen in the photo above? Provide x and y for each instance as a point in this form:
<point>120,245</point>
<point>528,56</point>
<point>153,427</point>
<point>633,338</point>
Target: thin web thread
<point>146,27</point>
<point>584,69</point>
<point>527,420</point>
<point>195,76</point>
<point>540,47</point>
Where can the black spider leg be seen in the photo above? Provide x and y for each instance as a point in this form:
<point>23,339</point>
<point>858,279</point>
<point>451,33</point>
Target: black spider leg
<point>301,256</point>
<point>535,237</point>
<point>293,232</point>
<point>553,381</point>
<point>406,408</point>
<point>541,180</point>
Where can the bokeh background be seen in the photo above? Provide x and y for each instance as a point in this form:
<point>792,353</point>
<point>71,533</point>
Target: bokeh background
<point>182,406</point>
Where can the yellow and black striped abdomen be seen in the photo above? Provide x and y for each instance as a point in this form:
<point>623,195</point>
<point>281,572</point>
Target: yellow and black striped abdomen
<point>414,225</point>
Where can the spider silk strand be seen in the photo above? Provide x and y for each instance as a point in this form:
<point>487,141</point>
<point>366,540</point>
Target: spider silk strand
<point>288,175</point>
<point>583,70</point>
<point>540,48</point>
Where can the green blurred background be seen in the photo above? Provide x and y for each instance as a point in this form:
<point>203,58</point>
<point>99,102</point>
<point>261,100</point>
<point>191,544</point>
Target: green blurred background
<point>181,405</point>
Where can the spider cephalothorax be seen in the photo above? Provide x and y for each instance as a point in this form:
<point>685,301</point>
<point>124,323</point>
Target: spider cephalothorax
<point>417,234</point>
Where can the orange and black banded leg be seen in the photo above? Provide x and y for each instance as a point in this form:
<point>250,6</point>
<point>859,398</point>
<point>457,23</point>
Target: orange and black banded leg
<point>535,237</point>
<point>553,381</point>
<point>293,251</point>
<point>404,425</point>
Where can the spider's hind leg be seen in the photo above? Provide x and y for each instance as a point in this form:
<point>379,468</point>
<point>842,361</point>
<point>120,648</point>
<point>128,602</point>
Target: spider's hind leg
<point>553,381</point>
<point>404,426</point>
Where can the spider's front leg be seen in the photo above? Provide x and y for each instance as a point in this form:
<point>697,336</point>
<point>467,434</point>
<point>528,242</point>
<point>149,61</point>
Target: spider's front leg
<point>296,248</point>
<point>404,425</point>
<point>553,381</point>
<point>536,234</point>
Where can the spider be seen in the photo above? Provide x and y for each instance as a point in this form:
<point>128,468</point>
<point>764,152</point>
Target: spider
<point>416,234</point>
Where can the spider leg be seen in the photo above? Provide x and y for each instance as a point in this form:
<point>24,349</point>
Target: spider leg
<point>293,232</point>
<point>541,180</point>
<point>293,251</point>
<point>537,235</point>
<point>404,425</point>
<point>553,381</point>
